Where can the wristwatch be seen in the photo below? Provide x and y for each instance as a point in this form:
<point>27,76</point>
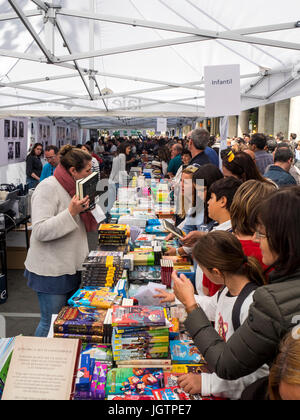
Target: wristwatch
<point>177,252</point>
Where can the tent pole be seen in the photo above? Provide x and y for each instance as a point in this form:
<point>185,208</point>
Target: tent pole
<point>29,27</point>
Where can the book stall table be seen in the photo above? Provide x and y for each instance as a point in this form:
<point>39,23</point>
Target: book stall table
<point>131,347</point>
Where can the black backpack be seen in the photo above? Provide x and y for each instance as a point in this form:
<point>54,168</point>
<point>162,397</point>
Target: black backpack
<point>236,312</point>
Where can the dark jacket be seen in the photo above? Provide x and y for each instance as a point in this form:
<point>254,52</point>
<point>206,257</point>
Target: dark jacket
<point>257,341</point>
<point>33,165</point>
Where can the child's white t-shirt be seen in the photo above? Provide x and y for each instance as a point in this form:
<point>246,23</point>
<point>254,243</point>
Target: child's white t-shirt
<point>219,309</point>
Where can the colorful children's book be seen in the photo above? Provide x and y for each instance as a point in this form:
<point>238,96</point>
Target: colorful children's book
<point>99,352</point>
<point>100,299</point>
<point>173,393</point>
<point>98,382</point>
<point>138,316</point>
<point>80,320</point>
<point>185,352</point>
<point>136,381</point>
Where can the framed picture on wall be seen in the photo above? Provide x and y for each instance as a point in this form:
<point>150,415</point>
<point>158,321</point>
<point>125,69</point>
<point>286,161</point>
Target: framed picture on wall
<point>10,154</point>
<point>15,128</point>
<point>21,129</point>
<point>6,128</point>
<point>17,150</point>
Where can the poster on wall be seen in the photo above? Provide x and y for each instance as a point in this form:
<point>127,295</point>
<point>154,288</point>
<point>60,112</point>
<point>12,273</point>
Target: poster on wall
<point>67,135</point>
<point>13,140</point>
<point>44,133</point>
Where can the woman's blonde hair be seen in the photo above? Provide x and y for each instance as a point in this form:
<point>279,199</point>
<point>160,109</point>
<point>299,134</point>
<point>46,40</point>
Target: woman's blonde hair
<point>247,198</point>
<point>286,367</point>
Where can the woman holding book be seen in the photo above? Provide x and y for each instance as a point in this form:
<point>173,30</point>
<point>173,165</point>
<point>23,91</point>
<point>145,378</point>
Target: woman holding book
<point>58,244</point>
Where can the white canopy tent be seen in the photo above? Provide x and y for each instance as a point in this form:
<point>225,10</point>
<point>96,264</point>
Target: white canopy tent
<point>124,59</point>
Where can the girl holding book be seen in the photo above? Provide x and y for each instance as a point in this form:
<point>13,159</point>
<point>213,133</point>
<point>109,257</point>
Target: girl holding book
<point>221,258</point>
<point>58,244</point>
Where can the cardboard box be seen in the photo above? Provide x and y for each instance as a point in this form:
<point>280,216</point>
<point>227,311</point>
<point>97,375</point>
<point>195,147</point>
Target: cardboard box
<point>16,257</point>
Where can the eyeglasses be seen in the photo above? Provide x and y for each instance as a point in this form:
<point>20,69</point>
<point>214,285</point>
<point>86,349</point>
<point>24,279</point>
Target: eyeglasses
<point>259,235</point>
<point>50,158</point>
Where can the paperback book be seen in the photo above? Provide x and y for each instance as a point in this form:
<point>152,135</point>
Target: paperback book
<point>185,352</point>
<point>88,187</point>
<point>133,381</point>
<point>138,316</point>
<point>80,320</point>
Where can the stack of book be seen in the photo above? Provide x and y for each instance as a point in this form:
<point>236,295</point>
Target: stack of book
<point>168,266</point>
<point>139,332</point>
<point>143,257</point>
<point>87,324</point>
<point>100,271</point>
<point>113,235</point>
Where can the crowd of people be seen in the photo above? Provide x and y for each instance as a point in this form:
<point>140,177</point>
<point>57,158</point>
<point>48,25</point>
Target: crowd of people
<point>239,210</point>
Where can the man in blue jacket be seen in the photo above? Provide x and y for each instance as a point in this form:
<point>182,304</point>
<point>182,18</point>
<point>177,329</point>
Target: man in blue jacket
<point>52,158</point>
<point>279,172</point>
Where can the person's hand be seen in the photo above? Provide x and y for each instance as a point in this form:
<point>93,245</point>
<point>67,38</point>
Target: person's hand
<point>170,237</point>
<point>190,239</point>
<point>78,206</point>
<point>184,290</point>
<point>190,383</point>
<point>171,252</point>
<point>165,297</point>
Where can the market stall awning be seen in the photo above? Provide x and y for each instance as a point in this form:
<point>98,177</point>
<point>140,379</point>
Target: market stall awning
<point>135,58</point>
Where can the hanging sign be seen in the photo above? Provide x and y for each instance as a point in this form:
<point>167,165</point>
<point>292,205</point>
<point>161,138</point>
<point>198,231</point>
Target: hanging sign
<point>161,125</point>
<point>222,90</point>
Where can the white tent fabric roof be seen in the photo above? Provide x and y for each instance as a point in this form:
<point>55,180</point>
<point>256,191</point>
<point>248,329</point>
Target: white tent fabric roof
<point>141,58</point>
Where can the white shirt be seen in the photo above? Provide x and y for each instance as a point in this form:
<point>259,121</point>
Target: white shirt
<point>118,173</point>
<point>226,227</point>
<point>220,311</point>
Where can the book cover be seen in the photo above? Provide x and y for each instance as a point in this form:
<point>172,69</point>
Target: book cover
<point>99,299</point>
<point>169,227</point>
<point>99,352</point>
<point>136,316</point>
<point>80,320</point>
<point>84,373</point>
<point>88,187</point>
<point>98,382</point>
<point>185,352</point>
<point>174,393</point>
<point>42,369</point>
<point>136,381</point>
<point>163,363</point>
<point>111,228</point>
<point>130,398</point>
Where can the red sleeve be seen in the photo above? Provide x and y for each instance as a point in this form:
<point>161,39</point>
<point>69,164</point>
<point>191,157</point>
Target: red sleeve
<point>212,288</point>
